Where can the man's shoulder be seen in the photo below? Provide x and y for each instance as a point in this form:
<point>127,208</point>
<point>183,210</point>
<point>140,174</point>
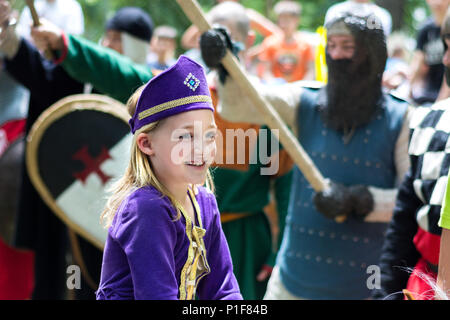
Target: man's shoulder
<point>396,105</point>
<point>309,93</point>
<point>430,116</point>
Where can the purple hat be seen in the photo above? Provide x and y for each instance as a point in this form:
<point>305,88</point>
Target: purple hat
<point>182,87</point>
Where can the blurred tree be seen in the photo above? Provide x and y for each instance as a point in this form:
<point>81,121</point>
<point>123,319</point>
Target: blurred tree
<point>397,10</point>
<point>96,12</point>
<point>402,13</point>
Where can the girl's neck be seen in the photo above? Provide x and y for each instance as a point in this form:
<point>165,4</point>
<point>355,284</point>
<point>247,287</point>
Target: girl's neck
<point>180,193</point>
<point>186,203</point>
<point>178,190</point>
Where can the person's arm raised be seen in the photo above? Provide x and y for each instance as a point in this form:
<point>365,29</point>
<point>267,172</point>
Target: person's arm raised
<point>108,71</point>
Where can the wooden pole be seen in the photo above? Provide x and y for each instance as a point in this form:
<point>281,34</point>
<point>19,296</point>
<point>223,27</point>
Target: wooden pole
<point>271,117</point>
<point>34,15</point>
<point>30,3</point>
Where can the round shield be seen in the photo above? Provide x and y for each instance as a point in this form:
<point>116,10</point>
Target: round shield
<point>75,150</point>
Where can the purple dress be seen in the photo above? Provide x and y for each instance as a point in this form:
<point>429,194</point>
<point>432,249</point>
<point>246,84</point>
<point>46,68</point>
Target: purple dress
<point>150,255</point>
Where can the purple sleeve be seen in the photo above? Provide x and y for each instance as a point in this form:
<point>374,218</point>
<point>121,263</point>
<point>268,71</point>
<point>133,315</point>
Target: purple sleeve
<point>147,234</point>
<point>220,283</point>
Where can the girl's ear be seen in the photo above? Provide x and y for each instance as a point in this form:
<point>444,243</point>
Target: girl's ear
<point>144,143</point>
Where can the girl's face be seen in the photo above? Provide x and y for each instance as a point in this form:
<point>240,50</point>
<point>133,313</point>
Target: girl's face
<point>183,147</point>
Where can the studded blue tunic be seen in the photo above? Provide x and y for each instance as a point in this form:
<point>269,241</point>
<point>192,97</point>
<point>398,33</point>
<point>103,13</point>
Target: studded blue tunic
<point>320,258</point>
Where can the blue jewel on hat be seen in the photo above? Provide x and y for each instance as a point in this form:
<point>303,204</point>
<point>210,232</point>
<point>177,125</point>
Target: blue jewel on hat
<point>192,82</point>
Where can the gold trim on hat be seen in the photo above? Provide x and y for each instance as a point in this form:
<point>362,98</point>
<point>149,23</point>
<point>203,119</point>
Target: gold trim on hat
<point>172,104</point>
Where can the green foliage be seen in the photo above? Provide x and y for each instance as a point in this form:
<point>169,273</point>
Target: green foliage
<point>96,12</point>
<point>410,23</point>
<point>168,12</point>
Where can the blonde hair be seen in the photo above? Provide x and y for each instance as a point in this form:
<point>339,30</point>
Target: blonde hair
<point>139,173</point>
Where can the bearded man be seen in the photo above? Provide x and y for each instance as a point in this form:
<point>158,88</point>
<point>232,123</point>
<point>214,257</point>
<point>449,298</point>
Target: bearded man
<point>357,136</point>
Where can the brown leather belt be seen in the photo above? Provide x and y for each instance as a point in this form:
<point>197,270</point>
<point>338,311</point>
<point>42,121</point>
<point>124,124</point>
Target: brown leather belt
<point>231,216</point>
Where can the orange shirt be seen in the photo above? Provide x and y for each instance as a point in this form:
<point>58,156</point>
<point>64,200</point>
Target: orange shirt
<point>285,162</point>
<point>288,60</point>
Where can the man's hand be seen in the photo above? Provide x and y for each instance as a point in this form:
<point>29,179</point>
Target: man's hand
<point>213,45</point>
<point>334,202</point>
<point>340,201</point>
<point>362,200</point>
<point>265,273</point>
<point>47,36</point>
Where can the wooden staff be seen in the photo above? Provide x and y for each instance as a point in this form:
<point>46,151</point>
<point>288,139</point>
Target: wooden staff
<point>271,117</point>
<point>408,295</point>
<point>30,3</point>
<point>34,15</point>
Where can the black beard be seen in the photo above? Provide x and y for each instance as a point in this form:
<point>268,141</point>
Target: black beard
<point>352,96</point>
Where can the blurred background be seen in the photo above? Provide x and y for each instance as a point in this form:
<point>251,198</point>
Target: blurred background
<point>407,15</point>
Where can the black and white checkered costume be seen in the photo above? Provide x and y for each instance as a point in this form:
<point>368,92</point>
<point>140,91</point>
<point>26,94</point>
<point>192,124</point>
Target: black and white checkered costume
<point>419,198</point>
<point>429,150</point>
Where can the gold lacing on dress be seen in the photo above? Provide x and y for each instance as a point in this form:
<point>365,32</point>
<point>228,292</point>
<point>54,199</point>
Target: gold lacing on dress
<point>196,266</point>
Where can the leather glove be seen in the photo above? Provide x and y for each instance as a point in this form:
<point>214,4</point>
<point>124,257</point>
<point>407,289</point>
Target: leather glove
<point>336,201</point>
<point>362,200</point>
<point>213,45</point>
<point>340,201</point>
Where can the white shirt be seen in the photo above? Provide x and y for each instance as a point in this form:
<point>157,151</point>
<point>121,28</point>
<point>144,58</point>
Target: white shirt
<point>66,14</point>
<point>361,9</point>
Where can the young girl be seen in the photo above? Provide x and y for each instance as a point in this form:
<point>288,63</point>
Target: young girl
<point>165,239</point>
